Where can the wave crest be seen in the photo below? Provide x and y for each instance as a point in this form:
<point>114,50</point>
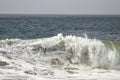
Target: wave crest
<point>64,50</point>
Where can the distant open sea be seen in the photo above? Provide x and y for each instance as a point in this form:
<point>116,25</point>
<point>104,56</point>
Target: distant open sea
<point>39,26</point>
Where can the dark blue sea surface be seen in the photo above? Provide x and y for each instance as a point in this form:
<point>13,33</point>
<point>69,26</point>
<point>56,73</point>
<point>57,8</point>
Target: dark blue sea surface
<point>39,26</point>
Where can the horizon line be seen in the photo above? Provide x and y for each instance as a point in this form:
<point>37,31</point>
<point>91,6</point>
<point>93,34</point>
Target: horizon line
<point>58,15</point>
<point>54,14</point>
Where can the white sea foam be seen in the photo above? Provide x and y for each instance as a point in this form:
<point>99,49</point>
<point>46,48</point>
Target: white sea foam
<point>71,54</point>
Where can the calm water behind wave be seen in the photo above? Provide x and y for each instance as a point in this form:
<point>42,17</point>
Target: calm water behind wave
<point>38,26</point>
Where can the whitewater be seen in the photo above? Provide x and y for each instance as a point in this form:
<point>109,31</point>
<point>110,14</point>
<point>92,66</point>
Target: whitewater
<point>59,58</point>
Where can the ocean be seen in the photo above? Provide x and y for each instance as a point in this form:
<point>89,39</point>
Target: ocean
<point>59,47</point>
<point>39,26</point>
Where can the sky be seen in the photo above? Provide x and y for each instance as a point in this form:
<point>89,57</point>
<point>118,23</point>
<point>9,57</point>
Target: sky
<point>60,7</point>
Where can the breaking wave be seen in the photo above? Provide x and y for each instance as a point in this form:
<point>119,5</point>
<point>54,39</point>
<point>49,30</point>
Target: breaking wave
<point>63,51</point>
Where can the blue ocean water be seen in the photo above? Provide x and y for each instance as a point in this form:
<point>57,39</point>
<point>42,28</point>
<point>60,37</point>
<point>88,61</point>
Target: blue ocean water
<point>39,26</point>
